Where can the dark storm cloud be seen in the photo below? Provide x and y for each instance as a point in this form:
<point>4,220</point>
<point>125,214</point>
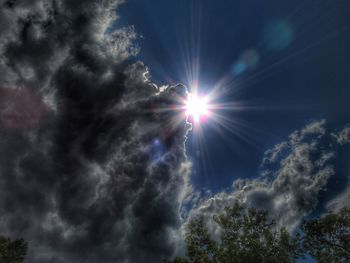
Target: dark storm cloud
<point>77,124</point>
<point>296,171</point>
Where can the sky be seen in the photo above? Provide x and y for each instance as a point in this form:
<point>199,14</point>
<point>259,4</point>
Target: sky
<point>301,73</point>
<point>98,160</point>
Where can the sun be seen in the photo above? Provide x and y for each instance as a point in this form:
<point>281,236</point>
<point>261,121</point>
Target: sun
<point>196,107</point>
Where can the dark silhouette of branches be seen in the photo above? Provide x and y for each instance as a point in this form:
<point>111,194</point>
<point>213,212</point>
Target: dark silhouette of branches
<point>12,251</point>
<point>248,236</point>
<point>327,239</point>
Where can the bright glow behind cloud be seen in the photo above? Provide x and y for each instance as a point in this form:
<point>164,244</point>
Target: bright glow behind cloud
<point>196,106</point>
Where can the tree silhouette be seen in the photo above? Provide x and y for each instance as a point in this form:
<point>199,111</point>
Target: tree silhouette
<point>247,235</point>
<point>327,239</point>
<point>12,251</point>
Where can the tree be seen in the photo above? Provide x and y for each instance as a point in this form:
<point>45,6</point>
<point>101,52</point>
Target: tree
<point>246,236</point>
<point>12,251</point>
<point>327,239</point>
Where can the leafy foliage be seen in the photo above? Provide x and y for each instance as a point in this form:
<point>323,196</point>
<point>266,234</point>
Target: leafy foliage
<point>328,239</point>
<point>246,236</point>
<point>12,251</point>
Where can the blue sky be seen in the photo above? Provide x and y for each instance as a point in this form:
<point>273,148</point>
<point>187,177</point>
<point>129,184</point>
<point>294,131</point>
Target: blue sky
<point>302,72</point>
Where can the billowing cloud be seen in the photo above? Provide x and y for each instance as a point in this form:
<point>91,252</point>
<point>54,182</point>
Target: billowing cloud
<point>297,170</point>
<point>79,127</point>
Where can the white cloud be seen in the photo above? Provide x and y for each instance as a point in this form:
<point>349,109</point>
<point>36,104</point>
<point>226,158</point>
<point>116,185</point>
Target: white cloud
<point>343,136</point>
<point>292,191</point>
<point>340,201</point>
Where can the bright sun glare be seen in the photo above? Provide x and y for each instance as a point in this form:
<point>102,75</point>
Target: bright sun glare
<point>196,107</point>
